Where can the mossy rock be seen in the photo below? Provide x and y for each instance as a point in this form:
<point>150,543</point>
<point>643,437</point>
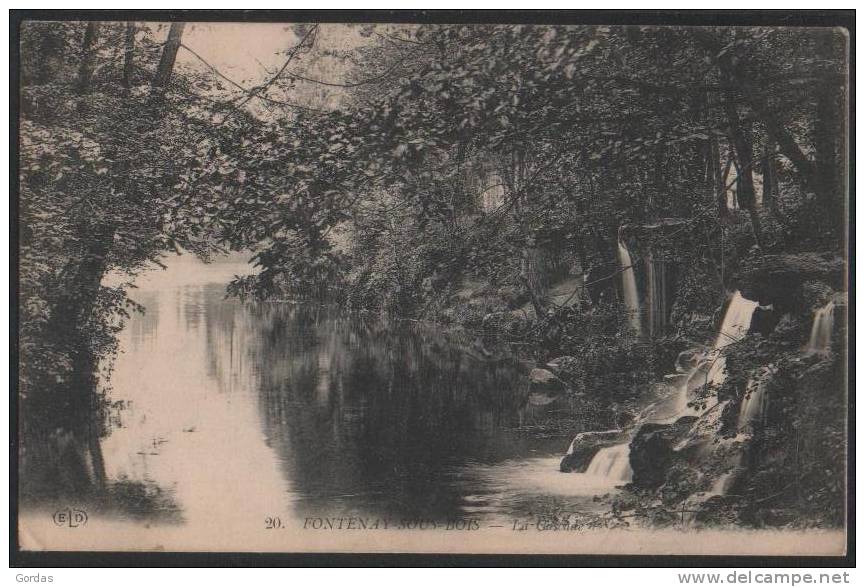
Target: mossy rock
<point>778,279</point>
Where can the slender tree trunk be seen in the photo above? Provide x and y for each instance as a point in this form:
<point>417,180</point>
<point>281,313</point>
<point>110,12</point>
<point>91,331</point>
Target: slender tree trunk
<point>720,180</point>
<point>88,57</point>
<point>820,177</point>
<point>169,55</point>
<point>128,55</point>
<point>741,138</point>
<point>770,182</point>
<point>787,144</point>
<point>778,133</point>
<point>533,273</point>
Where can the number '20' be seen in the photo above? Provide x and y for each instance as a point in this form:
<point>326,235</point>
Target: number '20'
<point>272,523</point>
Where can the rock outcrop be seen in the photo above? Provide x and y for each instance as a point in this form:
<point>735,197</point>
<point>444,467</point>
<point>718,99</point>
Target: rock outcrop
<point>778,279</point>
<point>652,451</point>
<point>545,387</point>
<point>764,320</point>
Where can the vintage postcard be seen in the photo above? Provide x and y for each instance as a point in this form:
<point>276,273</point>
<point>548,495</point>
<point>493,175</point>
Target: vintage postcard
<point>432,287</point>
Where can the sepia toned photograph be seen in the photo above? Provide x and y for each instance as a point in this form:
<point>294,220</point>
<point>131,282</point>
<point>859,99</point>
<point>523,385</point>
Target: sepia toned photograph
<point>409,284</point>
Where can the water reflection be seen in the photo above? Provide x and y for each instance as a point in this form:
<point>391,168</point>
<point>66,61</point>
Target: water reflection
<point>253,409</point>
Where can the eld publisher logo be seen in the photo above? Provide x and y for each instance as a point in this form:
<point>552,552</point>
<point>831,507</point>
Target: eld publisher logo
<point>70,517</point>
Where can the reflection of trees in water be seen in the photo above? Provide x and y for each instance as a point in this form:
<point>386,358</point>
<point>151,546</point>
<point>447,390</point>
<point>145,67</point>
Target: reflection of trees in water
<point>371,414</point>
<point>224,340</point>
<point>64,467</point>
<point>375,411</point>
<point>143,328</point>
<point>74,474</point>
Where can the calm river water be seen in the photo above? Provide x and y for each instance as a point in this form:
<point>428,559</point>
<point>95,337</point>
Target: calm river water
<point>252,410</point>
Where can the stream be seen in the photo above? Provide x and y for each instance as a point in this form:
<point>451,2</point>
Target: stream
<point>275,409</point>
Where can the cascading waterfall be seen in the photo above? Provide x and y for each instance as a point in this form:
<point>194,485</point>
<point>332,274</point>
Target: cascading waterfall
<point>753,407</point>
<point>711,370</point>
<point>612,463</point>
<point>821,330</point>
<point>629,287</point>
<point>750,407</point>
<point>755,404</point>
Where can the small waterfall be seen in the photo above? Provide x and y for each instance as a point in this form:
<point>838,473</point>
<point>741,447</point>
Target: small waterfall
<point>750,405</point>
<point>737,321</point>
<point>612,463</point>
<point>753,406</point>
<point>629,287</point>
<point>721,484</point>
<point>710,370</point>
<point>821,331</point>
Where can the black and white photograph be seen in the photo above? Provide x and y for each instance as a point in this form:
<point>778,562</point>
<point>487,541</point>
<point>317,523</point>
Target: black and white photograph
<point>452,284</point>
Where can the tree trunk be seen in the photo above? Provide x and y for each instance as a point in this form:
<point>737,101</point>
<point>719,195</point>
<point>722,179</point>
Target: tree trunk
<point>63,421</point>
<point>73,309</point>
<point>741,139</point>
<point>88,57</point>
<point>533,275</point>
<point>770,182</point>
<point>720,180</point>
<point>787,144</point>
<point>820,177</point>
<point>169,55</point>
<point>778,134</point>
<point>128,56</point>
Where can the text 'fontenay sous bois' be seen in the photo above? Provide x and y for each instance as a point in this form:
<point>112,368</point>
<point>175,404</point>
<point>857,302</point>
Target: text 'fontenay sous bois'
<point>362,523</point>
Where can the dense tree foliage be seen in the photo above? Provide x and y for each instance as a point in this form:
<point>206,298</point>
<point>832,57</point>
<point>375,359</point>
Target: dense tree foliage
<point>575,132</point>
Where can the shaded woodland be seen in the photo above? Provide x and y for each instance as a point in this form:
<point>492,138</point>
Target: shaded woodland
<point>488,179</point>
